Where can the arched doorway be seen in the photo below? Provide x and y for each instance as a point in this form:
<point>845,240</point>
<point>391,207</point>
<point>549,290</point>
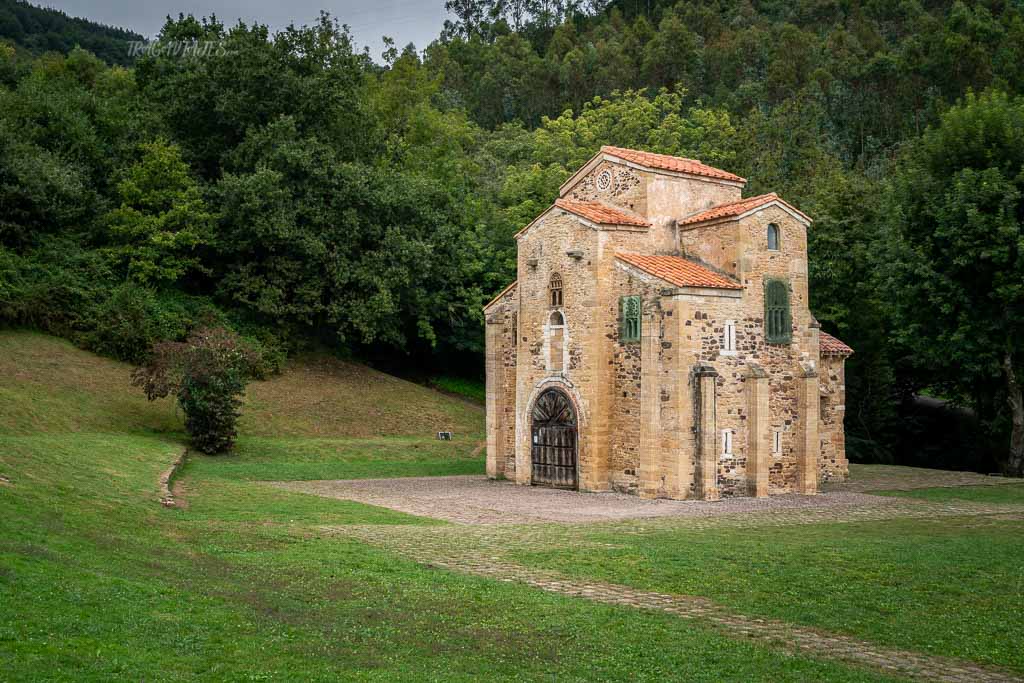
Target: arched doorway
<point>554,441</point>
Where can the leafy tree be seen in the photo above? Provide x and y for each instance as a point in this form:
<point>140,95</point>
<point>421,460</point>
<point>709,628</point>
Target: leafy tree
<point>956,255</point>
<point>162,218</point>
<point>42,29</point>
<point>207,373</point>
<point>674,56</point>
<point>360,254</point>
<point>310,74</point>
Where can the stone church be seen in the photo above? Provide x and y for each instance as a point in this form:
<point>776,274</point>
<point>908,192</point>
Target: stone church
<point>658,341</point>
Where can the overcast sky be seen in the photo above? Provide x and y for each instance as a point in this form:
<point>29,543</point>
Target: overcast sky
<point>407,21</point>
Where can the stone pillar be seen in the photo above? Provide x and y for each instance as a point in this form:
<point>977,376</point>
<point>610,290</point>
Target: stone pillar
<point>602,309</point>
<point>675,410</point>
<point>650,410</point>
<point>759,446</point>
<point>495,388</point>
<point>704,377</point>
<point>684,462</point>
<point>808,444</point>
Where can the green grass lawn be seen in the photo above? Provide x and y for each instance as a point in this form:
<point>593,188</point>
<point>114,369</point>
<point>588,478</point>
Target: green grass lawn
<point>98,581</point>
<point>293,458</point>
<point>949,587</point>
<point>474,390</point>
<point>1012,494</point>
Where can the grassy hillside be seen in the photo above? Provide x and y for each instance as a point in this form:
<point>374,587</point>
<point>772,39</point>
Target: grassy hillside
<point>101,582</point>
<point>42,29</point>
<point>53,386</point>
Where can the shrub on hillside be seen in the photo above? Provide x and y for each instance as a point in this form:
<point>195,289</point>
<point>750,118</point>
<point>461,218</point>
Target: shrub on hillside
<point>127,323</point>
<point>207,373</point>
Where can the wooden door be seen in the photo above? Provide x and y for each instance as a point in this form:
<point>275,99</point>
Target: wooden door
<point>554,441</point>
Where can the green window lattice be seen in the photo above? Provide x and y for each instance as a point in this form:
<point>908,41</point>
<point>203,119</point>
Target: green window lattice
<point>630,312</point>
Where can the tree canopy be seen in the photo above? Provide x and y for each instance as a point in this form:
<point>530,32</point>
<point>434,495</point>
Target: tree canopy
<point>295,190</point>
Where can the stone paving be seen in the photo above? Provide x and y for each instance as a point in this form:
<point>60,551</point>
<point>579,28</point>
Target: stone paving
<point>492,520</point>
<point>478,500</point>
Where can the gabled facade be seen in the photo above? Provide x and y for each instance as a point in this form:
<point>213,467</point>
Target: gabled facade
<point>658,341</point>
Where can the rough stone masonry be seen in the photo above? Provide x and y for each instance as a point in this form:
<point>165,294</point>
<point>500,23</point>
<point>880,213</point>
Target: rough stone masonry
<point>658,341</point>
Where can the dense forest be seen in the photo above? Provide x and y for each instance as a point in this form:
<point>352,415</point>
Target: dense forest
<point>301,192</point>
<point>42,29</point>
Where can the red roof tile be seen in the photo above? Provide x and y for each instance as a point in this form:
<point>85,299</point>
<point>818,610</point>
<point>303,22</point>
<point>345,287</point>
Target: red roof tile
<point>830,346</point>
<point>738,208</point>
<point>730,209</point>
<point>679,271</point>
<point>599,213</point>
<point>670,163</point>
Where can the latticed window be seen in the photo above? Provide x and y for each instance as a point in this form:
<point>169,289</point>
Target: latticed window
<point>555,289</point>
<point>777,320</point>
<point>773,237</point>
<point>629,330</point>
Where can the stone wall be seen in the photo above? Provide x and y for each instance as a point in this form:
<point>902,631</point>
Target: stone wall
<point>502,317</point>
<point>833,463</point>
<point>613,184</point>
<point>542,252</point>
<point>627,362</point>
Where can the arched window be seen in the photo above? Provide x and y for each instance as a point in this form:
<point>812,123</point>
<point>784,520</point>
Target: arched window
<point>555,288</point>
<point>777,319</point>
<point>556,342</point>
<point>773,237</point>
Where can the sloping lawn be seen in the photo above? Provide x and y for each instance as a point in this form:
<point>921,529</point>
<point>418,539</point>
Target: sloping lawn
<point>294,458</point>
<point>100,582</point>
<point>949,586</point>
<point>1010,494</point>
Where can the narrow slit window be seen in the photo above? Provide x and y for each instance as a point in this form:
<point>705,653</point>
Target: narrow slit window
<point>555,289</point>
<point>777,442</point>
<point>729,337</point>
<point>629,330</point>
<point>773,237</point>
<point>726,442</point>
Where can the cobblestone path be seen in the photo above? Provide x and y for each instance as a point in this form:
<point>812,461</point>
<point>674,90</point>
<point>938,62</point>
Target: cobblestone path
<point>483,549</point>
<point>477,500</point>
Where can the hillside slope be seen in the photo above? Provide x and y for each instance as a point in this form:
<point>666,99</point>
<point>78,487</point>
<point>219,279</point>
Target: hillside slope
<point>51,386</point>
<point>42,29</point>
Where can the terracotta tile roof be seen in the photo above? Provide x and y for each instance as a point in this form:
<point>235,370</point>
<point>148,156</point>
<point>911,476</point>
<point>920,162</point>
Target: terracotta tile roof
<point>730,209</point>
<point>679,271</point>
<point>738,208</point>
<point>599,213</point>
<point>501,294</point>
<point>670,163</point>
<point>830,346</point>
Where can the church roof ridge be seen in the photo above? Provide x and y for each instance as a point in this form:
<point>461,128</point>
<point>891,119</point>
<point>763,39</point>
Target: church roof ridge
<point>667,162</point>
<point>740,207</point>
<point>601,213</point>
